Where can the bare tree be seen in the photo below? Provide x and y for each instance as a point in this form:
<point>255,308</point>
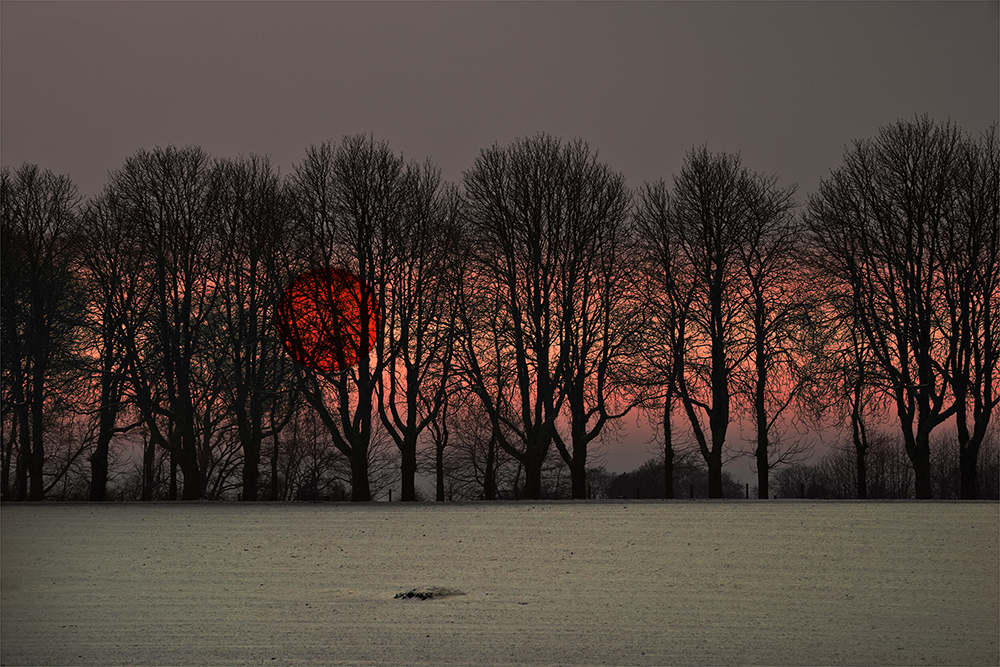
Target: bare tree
<point>719,257</point>
<point>469,462</point>
<point>483,367</point>
<point>253,219</point>
<point>850,382</point>
<point>601,318</point>
<point>112,258</point>
<point>835,475</point>
<point>710,218</point>
<point>516,215</point>
<point>170,194</point>
<point>669,294</point>
<point>347,198</point>
<point>309,467</point>
<point>419,316</point>
<point>544,305</point>
<point>778,311</point>
<point>893,198</point>
<point>439,429</point>
<point>970,271</point>
<point>42,307</point>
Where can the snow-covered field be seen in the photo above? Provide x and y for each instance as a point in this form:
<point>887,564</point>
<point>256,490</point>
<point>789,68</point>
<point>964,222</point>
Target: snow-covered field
<point>626,583</point>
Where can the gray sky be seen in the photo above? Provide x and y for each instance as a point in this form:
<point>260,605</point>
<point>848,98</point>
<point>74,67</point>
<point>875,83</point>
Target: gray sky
<point>788,84</point>
<point>83,85</point>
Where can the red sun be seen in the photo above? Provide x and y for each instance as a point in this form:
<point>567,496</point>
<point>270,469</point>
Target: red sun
<point>320,321</point>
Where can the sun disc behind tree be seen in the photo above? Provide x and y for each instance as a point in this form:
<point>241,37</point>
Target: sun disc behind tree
<point>320,321</point>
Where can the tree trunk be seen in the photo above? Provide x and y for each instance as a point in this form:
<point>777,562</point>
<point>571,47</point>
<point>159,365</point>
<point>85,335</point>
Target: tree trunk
<point>99,468</point>
<point>921,460</point>
<point>251,469</point>
<point>192,480</point>
<point>967,462</point>
<point>668,451</point>
<point>107,416</point>
<point>8,453</point>
<point>408,468</point>
<point>763,474</point>
<point>862,464</point>
<point>763,465</point>
<point>490,480</point>
<point>720,423</point>
<point>274,468</point>
<point>172,494</point>
<point>719,417</point>
<point>760,395</point>
<point>533,478</point>
<point>360,486</point>
<point>36,463</point>
<point>920,456</point>
<point>922,480</point>
<point>715,474</point>
<point>36,457</point>
<point>578,475</point>
<point>24,456</point>
<point>148,461</point>
<point>188,461</point>
<point>439,471</point>
<point>860,435</point>
<point>917,445</point>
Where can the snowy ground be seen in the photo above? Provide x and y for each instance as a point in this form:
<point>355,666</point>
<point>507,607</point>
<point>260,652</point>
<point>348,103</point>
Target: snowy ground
<point>626,583</point>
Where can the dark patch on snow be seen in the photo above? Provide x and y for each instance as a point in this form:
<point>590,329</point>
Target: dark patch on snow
<point>428,593</point>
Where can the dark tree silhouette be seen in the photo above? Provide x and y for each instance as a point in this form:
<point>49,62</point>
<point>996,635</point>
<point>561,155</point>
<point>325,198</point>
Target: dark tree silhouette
<point>253,225</point>
<point>420,315</point>
<point>544,313</point>
<point>601,317</point>
<point>508,328</point>
<point>719,256</point>
<point>471,465</point>
<point>690,478</point>
<point>112,258</point>
<point>42,307</point>
<point>668,295</point>
<point>170,195</point>
<point>887,221</point>
<point>516,216</point>
<point>778,311</point>
<point>890,472</point>
<point>347,198</point>
<point>709,217</point>
<point>970,269</point>
<point>850,382</point>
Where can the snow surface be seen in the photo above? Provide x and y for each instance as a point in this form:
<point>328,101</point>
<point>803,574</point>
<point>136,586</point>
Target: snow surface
<point>624,583</point>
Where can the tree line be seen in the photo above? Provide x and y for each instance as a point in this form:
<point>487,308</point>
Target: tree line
<point>522,316</point>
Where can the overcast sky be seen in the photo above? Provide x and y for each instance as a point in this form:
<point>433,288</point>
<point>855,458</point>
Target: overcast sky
<point>788,84</point>
<point>83,85</point>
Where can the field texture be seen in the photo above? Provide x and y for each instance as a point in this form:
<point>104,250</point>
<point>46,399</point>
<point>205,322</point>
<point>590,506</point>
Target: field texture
<point>615,583</point>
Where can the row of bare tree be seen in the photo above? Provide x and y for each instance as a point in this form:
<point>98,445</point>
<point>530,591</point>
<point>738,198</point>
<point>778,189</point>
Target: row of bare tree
<point>518,317</point>
<point>889,471</point>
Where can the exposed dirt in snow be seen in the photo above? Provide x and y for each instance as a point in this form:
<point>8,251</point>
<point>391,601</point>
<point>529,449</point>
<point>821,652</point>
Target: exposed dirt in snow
<point>624,583</point>
<point>428,593</point>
